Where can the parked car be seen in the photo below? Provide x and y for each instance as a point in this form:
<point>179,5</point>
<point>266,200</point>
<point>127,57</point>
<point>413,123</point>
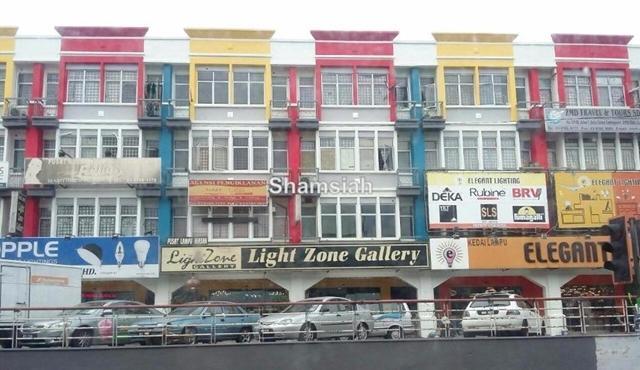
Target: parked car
<point>391,320</point>
<point>194,323</point>
<point>313,318</point>
<point>500,312</point>
<point>89,323</point>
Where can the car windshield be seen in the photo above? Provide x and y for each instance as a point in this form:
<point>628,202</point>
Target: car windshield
<point>491,302</point>
<point>310,306</point>
<point>186,310</point>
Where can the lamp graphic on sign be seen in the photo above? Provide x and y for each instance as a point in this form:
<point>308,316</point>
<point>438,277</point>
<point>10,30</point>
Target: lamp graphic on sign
<point>91,254</point>
<point>449,252</point>
<point>141,248</point>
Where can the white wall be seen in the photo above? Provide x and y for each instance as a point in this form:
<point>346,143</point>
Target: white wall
<point>414,54</point>
<point>166,51</point>
<point>293,52</point>
<point>37,49</point>
<point>534,55</point>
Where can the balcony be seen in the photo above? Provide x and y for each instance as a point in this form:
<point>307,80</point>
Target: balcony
<point>15,181</point>
<point>411,115</point>
<point>410,182</point>
<point>150,113</point>
<point>178,115</point>
<point>44,113</point>
<point>307,115</point>
<point>15,112</point>
<point>101,111</point>
<point>232,113</point>
<point>280,118</point>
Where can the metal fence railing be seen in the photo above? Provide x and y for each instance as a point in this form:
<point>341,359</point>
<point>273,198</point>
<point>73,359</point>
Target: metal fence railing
<point>118,323</point>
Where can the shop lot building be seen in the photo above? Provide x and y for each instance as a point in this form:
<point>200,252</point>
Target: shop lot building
<point>348,164</point>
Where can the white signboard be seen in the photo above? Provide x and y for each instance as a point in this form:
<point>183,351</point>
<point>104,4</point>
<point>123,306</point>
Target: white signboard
<point>448,254</point>
<point>592,119</point>
<point>54,171</point>
<point>471,200</point>
<point>4,173</point>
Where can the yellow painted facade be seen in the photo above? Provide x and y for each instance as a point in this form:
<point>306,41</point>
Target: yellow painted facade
<point>230,49</point>
<point>7,49</point>
<point>475,51</point>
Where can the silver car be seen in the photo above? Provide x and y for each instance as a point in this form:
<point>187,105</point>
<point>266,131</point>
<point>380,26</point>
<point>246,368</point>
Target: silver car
<point>501,312</point>
<point>391,320</point>
<point>314,318</point>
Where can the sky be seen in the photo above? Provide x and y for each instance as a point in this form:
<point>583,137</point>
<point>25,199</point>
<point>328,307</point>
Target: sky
<point>533,20</point>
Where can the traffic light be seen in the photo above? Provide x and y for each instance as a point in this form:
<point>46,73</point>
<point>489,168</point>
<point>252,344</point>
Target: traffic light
<point>619,247</point>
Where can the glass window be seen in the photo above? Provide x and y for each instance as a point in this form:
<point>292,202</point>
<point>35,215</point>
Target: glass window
<point>328,212</point>
<point>3,79</point>
<point>508,150</point>
<point>610,89</point>
<point>83,85</point>
<point>130,143</point>
<point>64,217</point>
<point>368,217</point>
<point>428,85</point>
<point>545,90</point>
<point>280,152</point>
<point>150,214</point>
<point>470,150</point>
<point>180,151</point>
<point>86,216</point>
<point>609,151</point>
<point>577,88</point>
<point>220,226</point>
<point>404,151</point>
<point>402,92</point>
<point>590,149</point>
<point>261,150</point>
<point>388,217</point>
<point>18,154</point>
<point>347,150</point>
<point>241,150</point>
<point>521,91</point>
<point>307,92</point>
<point>552,157</point>
<point>220,141</point>
<point>44,224</point>
<point>199,228</point>
<point>490,150</point>
<point>308,149</point>
<point>279,91</point>
<point>493,88</point>
<point>25,85</point>
<point>385,151</point>
<point>572,151</point>
<point>2,138</point>
<point>337,88</point>
<point>280,220</point>
<point>107,216</point>
<point>366,142</point>
<point>200,150</point>
<point>213,86</point>
<point>348,217</point>
<point>109,143</point>
<point>179,217</point>
<point>432,151</point>
<point>406,218</point>
<point>261,225</point>
<point>120,86</point>
<point>525,153</point>
<point>240,227</point>
<point>68,143</point>
<point>372,88</point>
<point>451,150</point>
<point>308,216</point>
<point>181,86</point>
<point>626,149</point>
<point>128,216</point>
<point>328,150</point>
<point>88,143</point>
<point>459,88</point>
<point>248,87</point>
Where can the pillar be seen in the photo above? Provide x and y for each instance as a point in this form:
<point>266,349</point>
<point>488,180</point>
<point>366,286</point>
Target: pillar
<point>163,287</point>
<point>166,156</point>
<point>538,136</point>
<point>418,160</point>
<point>552,283</point>
<point>293,145</point>
<point>424,282</point>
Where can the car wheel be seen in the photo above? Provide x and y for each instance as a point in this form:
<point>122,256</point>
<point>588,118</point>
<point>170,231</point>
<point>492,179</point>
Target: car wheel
<point>395,333</point>
<point>81,338</point>
<point>245,336</point>
<point>190,336</point>
<point>467,334</point>
<point>362,332</point>
<point>307,333</point>
<point>524,332</point>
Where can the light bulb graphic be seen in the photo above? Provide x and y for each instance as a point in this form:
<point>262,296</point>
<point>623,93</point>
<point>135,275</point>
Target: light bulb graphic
<point>449,255</point>
<point>142,248</point>
<point>119,254</point>
<point>91,253</point>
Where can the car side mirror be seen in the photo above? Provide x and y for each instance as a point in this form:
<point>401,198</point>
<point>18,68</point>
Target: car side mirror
<point>107,312</point>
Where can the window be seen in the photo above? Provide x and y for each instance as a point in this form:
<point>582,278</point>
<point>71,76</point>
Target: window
<point>388,217</point>
<point>508,150</point>
<point>153,87</point>
<point>572,151</point>
<point>432,151</point>
<point>44,224</point>
<point>577,89</point>
<point>366,142</point>
<point>372,88</point>
<point>150,214</point>
<point>201,229</point>
<point>249,150</point>
<point>2,137</point>
<point>179,211</point>
<point>636,91</point>
<point>261,150</point>
<point>309,218</point>
<point>606,151</point>
<point>103,143</point>
<point>337,88</point>
<point>107,216</point>
<point>241,150</point>
<point>327,151</point>
<point>521,92</point>
<point>307,93</point>
<point>180,151</point>
<point>590,150</point>
<point>89,143</point>
<point>546,96</point>
<point>280,92</point>
<point>3,77</point>
<point>213,86</point>
<point>280,220</point>
<point>451,150</point>
<point>83,86</point>
<point>200,150</point>
<point>406,218</point>
<point>385,151</point>
<point>348,217</point>
<point>220,141</point>
<point>121,86</point>
<point>130,143</point>
<point>18,155</point>
<point>493,88</point>
<point>404,151</point>
<point>261,224</point>
<point>552,157</point>
<point>525,152</point>
<point>25,85</point>
<point>128,216</point>
<point>68,142</point>
<point>230,222</point>
<point>429,97</point>
<point>609,151</point>
<point>610,90</point>
<point>368,217</point>
<point>627,150</point>
<point>459,88</point>
<point>51,89</point>
<point>64,216</point>
<point>49,146</point>
<point>470,150</point>
<point>248,87</point>
<point>374,150</point>
<point>151,144</point>
<point>308,149</point>
<point>490,150</point>
<point>86,216</point>
<point>329,216</point>
<point>181,87</point>
<point>280,152</point>
<point>347,151</point>
<point>402,92</point>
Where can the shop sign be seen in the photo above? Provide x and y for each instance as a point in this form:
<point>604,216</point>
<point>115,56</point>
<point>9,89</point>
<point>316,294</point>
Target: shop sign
<point>592,119</point>
<point>187,241</point>
<point>590,199</point>
<point>4,173</point>
<point>228,192</point>
<point>93,171</point>
<point>516,253</point>
<point>487,199</point>
<point>175,259</point>
<point>101,258</point>
<point>16,213</point>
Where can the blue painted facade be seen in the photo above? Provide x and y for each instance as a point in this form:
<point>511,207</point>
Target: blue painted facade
<point>166,155</point>
<point>417,157</point>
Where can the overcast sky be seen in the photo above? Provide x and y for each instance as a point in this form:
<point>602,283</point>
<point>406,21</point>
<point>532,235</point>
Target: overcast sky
<point>415,20</point>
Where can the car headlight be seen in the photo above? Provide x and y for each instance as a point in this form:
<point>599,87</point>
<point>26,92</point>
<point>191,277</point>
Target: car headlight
<point>159,325</point>
<point>513,312</point>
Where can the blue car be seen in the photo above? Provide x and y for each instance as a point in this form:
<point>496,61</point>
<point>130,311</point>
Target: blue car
<point>195,323</point>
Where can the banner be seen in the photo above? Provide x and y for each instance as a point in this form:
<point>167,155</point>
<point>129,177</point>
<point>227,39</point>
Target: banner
<point>590,199</point>
<point>487,199</point>
<point>93,171</point>
<point>101,257</point>
<point>517,253</point>
<point>228,193</point>
<point>190,259</point>
<point>592,119</point>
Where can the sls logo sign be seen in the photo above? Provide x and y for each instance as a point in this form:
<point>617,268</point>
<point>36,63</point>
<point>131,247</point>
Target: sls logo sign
<point>446,195</point>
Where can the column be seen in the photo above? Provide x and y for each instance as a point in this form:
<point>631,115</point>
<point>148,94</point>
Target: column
<point>33,149</point>
<point>424,282</point>
<point>538,136</point>
<point>552,282</point>
<point>293,145</point>
<point>418,160</point>
<point>162,287</point>
<point>166,156</point>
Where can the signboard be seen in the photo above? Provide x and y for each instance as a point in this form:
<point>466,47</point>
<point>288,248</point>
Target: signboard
<point>590,199</point>
<point>190,259</point>
<point>516,253</point>
<point>187,241</point>
<point>16,213</point>
<point>487,199</point>
<point>101,258</point>
<point>96,171</point>
<point>228,193</point>
<point>592,119</point>
<point>4,173</point>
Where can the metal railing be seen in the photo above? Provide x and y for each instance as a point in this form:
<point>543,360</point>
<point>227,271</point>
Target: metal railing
<point>419,110</point>
<point>280,109</point>
<point>150,108</point>
<point>15,107</point>
<point>409,177</point>
<point>313,319</point>
<point>307,109</point>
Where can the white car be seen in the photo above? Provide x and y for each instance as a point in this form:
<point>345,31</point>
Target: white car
<point>391,320</point>
<point>501,312</point>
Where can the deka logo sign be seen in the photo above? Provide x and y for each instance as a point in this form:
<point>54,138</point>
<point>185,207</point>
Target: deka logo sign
<point>446,195</point>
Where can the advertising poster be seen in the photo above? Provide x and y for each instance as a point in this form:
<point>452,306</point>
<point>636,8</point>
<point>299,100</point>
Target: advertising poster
<point>97,171</point>
<point>600,119</point>
<point>487,199</point>
<point>228,192</point>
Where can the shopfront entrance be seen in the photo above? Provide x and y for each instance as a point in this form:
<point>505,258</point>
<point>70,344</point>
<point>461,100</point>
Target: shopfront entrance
<point>121,290</point>
<point>363,288</point>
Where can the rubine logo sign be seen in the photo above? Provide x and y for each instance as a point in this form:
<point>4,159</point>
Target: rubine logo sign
<point>359,185</point>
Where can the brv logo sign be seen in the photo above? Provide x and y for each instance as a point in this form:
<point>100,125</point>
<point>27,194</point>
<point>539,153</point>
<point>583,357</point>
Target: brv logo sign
<point>446,195</point>
<point>529,193</point>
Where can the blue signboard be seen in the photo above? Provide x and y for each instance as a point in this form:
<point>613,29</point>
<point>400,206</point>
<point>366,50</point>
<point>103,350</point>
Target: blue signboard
<point>102,257</point>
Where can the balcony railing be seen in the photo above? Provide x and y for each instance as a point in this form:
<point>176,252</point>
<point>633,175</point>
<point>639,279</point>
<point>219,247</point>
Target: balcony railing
<point>150,108</point>
<point>280,109</point>
<point>410,177</point>
<point>179,108</point>
<point>419,110</point>
<point>16,178</point>
<point>15,107</point>
<point>307,109</point>
<point>43,107</point>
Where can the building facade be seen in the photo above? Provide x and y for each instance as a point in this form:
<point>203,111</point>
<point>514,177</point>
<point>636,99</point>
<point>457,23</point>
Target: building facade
<point>348,164</point>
